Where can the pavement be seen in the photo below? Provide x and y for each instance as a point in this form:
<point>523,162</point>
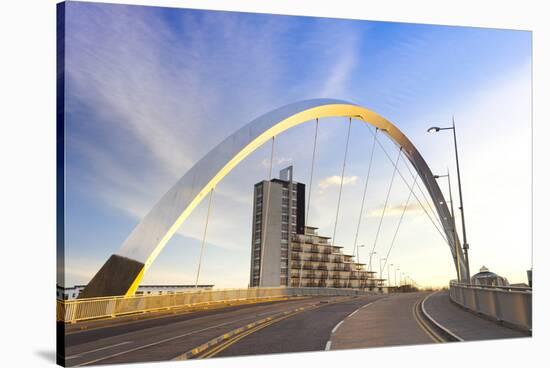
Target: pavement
<point>465,324</point>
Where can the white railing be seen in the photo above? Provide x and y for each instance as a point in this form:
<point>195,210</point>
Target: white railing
<point>512,305</point>
<point>70,311</point>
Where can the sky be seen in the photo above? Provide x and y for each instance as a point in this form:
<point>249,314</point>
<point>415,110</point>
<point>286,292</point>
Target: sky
<point>150,90</point>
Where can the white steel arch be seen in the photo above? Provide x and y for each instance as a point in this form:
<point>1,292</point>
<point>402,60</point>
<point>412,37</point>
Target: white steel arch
<point>152,233</point>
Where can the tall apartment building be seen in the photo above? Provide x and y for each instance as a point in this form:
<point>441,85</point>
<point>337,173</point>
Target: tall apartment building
<point>293,253</point>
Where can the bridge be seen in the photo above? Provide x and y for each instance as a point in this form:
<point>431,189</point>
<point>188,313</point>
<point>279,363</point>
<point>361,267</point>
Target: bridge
<point>333,305</point>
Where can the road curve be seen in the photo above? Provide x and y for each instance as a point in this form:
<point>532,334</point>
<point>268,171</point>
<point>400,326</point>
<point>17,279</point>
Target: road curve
<point>165,338</point>
<point>307,331</point>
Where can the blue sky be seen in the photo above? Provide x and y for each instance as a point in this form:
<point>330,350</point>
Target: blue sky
<point>149,91</point>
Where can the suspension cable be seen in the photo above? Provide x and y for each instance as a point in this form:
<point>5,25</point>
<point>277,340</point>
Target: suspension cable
<point>363,199</point>
<point>409,187</point>
<point>266,217</point>
<point>311,171</point>
<point>398,226</point>
<point>364,194</point>
<point>309,194</point>
<point>424,196</point>
<point>340,191</point>
<point>341,184</point>
<point>384,209</point>
<point>203,241</point>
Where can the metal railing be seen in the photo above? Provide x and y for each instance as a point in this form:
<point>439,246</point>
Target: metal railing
<point>70,311</point>
<point>509,304</point>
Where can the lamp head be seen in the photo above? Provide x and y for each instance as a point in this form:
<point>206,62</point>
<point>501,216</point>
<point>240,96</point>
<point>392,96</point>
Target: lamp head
<point>434,129</point>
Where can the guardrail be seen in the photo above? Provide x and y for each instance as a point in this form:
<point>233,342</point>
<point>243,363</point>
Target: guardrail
<point>70,311</point>
<point>512,305</point>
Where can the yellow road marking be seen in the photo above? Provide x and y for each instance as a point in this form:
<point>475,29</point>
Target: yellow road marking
<point>269,321</point>
<point>430,332</point>
<point>242,335</point>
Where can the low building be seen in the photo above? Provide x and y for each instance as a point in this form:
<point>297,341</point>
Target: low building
<point>487,278</point>
<point>73,292</point>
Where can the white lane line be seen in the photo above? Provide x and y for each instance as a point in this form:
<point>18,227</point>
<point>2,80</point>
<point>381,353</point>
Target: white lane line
<point>329,343</point>
<point>336,327</point>
<point>93,351</point>
<point>159,342</point>
<point>435,322</point>
<point>165,340</point>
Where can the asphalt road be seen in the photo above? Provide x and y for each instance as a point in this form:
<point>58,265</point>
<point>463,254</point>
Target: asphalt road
<point>158,339</point>
<point>327,323</point>
<point>387,322</point>
<point>307,331</point>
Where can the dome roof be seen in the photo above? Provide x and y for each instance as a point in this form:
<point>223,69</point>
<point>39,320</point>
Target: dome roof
<point>486,277</point>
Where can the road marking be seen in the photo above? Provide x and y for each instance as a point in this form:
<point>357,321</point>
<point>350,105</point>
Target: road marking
<point>95,350</point>
<point>329,343</point>
<point>160,342</point>
<point>455,336</point>
<point>431,334</point>
<point>167,340</point>
<point>202,351</point>
<point>336,327</point>
<point>243,334</point>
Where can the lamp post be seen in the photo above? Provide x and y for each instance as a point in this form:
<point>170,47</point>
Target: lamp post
<point>395,276</point>
<point>370,260</point>
<point>457,249</point>
<point>465,245</point>
<point>359,246</point>
<point>389,281</point>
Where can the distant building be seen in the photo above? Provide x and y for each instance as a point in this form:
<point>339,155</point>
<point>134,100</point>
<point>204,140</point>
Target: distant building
<point>486,278</point>
<point>71,293</point>
<point>294,254</point>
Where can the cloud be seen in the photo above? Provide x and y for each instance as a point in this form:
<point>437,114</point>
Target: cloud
<point>397,210</point>
<point>334,180</point>
<point>277,161</point>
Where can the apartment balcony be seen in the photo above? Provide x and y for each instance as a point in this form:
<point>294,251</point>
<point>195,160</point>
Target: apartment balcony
<point>296,248</point>
<point>341,268</point>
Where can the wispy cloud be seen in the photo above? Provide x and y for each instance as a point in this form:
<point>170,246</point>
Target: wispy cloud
<point>334,181</point>
<point>397,210</point>
<point>277,161</point>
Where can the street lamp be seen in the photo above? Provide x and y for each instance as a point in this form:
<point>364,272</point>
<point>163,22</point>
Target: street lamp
<point>389,281</point>
<point>395,276</point>
<point>465,245</point>
<point>457,249</point>
<point>359,246</point>
<point>370,260</point>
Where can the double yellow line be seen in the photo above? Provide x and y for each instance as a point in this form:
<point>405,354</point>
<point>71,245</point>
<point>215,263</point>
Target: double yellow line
<point>212,352</point>
<point>427,329</point>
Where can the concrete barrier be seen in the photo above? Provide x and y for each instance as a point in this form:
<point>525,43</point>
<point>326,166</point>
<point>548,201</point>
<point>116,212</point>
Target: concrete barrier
<point>511,305</point>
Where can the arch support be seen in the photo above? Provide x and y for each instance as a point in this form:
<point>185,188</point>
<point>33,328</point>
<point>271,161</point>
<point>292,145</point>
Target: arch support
<point>122,273</point>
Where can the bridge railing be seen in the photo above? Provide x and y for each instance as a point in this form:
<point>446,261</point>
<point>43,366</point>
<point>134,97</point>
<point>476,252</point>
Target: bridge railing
<point>508,304</point>
<point>71,311</point>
